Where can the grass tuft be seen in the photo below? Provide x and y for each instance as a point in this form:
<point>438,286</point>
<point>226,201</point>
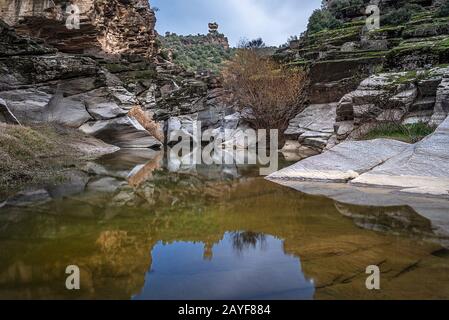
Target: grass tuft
<point>410,133</point>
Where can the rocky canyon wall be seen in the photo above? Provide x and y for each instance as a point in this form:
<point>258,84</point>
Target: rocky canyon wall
<point>106,27</point>
<point>353,70</point>
<point>106,78</point>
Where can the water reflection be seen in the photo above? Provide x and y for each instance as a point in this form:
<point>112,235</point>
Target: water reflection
<point>247,271</point>
<point>242,241</point>
<point>129,224</point>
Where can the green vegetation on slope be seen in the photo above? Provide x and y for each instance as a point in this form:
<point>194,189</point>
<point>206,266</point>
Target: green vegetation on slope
<point>197,53</point>
<point>336,14</point>
<point>443,11</point>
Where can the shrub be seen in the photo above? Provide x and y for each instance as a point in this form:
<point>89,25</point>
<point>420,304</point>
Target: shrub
<point>443,11</point>
<point>251,44</point>
<point>400,15</point>
<point>338,7</point>
<point>195,52</point>
<point>322,19</point>
<point>269,94</point>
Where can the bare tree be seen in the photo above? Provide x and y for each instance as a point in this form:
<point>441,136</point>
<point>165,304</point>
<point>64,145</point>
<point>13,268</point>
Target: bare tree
<point>268,94</point>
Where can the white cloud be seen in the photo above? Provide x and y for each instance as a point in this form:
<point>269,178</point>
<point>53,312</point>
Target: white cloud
<point>273,20</point>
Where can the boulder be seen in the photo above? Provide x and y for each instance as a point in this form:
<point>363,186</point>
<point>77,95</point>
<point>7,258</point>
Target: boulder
<point>70,111</point>
<point>124,132</point>
<point>40,105</point>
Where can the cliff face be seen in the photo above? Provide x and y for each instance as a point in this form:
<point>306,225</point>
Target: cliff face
<point>107,78</point>
<point>353,70</point>
<point>106,27</point>
<point>51,73</point>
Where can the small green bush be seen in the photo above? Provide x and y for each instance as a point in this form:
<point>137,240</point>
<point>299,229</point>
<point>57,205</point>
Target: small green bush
<point>338,7</point>
<point>401,15</point>
<point>443,11</point>
<point>322,19</point>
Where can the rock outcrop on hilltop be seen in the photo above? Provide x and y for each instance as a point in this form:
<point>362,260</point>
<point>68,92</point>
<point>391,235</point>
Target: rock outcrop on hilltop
<point>351,69</point>
<point>91,78</point>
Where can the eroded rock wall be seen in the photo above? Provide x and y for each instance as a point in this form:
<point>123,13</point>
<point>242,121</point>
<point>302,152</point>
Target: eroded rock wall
<point>355,69</point>
<point>106,27</point>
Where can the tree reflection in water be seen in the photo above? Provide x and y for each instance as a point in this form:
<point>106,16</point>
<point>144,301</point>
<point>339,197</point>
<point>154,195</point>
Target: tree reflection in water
<point>245,240</point>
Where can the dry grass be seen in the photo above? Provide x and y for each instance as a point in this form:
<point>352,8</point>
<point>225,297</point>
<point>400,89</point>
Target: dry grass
<point>149,124</point>
<point>33,155</point>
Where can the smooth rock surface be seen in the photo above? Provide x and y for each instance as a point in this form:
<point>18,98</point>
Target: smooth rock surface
<point>344,162</point>
<point>124,132</point>
<point>318,118</point>
<point>421,168</point>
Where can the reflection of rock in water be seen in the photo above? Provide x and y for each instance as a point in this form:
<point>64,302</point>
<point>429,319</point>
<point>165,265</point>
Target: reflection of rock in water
<point>113,243</point>
<point>398,220</point>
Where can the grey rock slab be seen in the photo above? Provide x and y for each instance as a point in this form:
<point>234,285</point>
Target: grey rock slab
<point>38,105</point>
<point>344,162</point>
<point>69,111</point>
<point>421,168</point>
<point>316,117</point>
<point>28,105</point>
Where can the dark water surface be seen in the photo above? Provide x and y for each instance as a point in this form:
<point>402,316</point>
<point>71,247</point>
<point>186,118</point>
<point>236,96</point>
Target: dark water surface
<point>141,227</point>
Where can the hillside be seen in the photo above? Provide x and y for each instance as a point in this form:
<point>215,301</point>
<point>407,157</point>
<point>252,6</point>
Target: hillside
<point>197,52</point>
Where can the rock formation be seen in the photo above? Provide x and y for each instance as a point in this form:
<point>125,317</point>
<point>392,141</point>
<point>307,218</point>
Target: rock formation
<point>354,69</point>
<point>90,78</point>
<point>421,168</point>
<point>106,27</point>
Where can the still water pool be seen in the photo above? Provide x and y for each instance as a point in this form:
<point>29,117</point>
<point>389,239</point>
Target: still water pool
<point>140,227</point>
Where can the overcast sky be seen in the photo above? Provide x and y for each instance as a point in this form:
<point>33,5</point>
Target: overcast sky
<point>273,20</point>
